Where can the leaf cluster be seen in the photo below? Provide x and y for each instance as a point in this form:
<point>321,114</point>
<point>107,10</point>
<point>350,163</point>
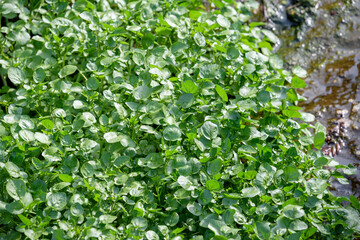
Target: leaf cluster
<point>157,119</point>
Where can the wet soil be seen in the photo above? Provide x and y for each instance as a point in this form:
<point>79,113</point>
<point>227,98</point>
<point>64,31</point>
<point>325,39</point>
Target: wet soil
<point>327,44</point>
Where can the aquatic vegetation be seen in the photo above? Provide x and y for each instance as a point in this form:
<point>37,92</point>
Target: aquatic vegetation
<point>157,120</point>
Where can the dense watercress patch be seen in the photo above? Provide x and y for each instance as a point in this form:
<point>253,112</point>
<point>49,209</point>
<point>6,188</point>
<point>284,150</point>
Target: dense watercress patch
<point>157,120</point>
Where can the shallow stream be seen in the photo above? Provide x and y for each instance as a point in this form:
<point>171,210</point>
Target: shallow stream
<point>326,42</point>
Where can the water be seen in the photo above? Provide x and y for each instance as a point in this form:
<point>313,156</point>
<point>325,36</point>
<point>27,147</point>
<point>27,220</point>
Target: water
<point>327,44</point>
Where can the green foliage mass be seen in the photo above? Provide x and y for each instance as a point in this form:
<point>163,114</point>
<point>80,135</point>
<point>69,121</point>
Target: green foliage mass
<point>157,120</point>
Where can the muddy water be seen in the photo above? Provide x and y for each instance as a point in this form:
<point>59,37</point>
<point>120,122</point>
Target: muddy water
<point>327,44</point>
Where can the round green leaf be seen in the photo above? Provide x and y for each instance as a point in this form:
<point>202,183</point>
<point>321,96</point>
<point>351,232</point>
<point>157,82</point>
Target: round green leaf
<point>87,170</point>
<point>315,186</point>
<point>172,133</point>
<point>214,167</point>
<point>232,53</point>
<point>213,185</point>
<point>39,75</point>
<point>16,189</point>
<point>27,135</point>
<point>297,82</point>
<point>12,169</point>
<point>15,207</point>
<point>186,100</point>
<point>57,201</point>
<point>107,218</point>
<point>43,138</point>
<point>189,86</point>
<point>248,69</point>
<point>209,130</point>
<point>299,71</point>
<point>142,92</point>
<point>76,209</point>
<point>223,21</point>
<point>185,183</point>
<point>194,208</point>
<point>47,123</point>
<point>250,192</point>
<point>67,70</point>
<point>26,124</point>
<point>92,83</point>
<point>16,75</point>
<point>293,211</point>
<point>151,235</point>
<point>199,39</point>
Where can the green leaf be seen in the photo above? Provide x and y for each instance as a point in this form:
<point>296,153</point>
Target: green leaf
<point>13,169</point>
<point>154,160</point>
<point>25,220</point>
<point>16,189</point>
<point>209,71</point>
<point>57,201</point>
<point>205,196</point>
<point>194,15</point>
<point>293,211</point>
<point>172,220</point>
<point>186,100</point>
<point>209,130</point>
<point>319,140</point>
<point>107,219</point>
<point>292,114</point>
<point>223,21</point>
<point>172,133</point>
<point>39,75</point>
<point>213,185</point>
<point>65,178</point>
<point>262,230</point>
<point>189,86</point>
<point>43,138</point>
<point>199,39</point>
<point>307,117</point>
<point>148,41</point>
<point>350,170</point>
<point>299,71</point>
<point>221,93</point>
<point>151,235</point>
<point>15,208</point>
<point>315,186</point>
<point>194,208</point>
<point>276,62</point>
<point>250,175</point>
<point>214,167</point>
<point>185,183</point>
<point>92,83</point>
<point>248,69</point>
<point>47,123</point>
<point>270,35</point>
<point>67,70</point>
<point>16,75</point>
<point>87,170</point>
<point>297,82</point>
<point>263,96</point>
<point>142,92</point>
<point>322,161</point>
<point>250,192</point>
<point>246,149</point>
<point>22,37</point>
<point>354,201</point>
<point>232,53</point>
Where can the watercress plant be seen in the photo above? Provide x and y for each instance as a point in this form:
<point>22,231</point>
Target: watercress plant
<point>159,119</point>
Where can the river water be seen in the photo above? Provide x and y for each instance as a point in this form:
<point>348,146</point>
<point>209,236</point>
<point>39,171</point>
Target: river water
<point>326,42</point>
